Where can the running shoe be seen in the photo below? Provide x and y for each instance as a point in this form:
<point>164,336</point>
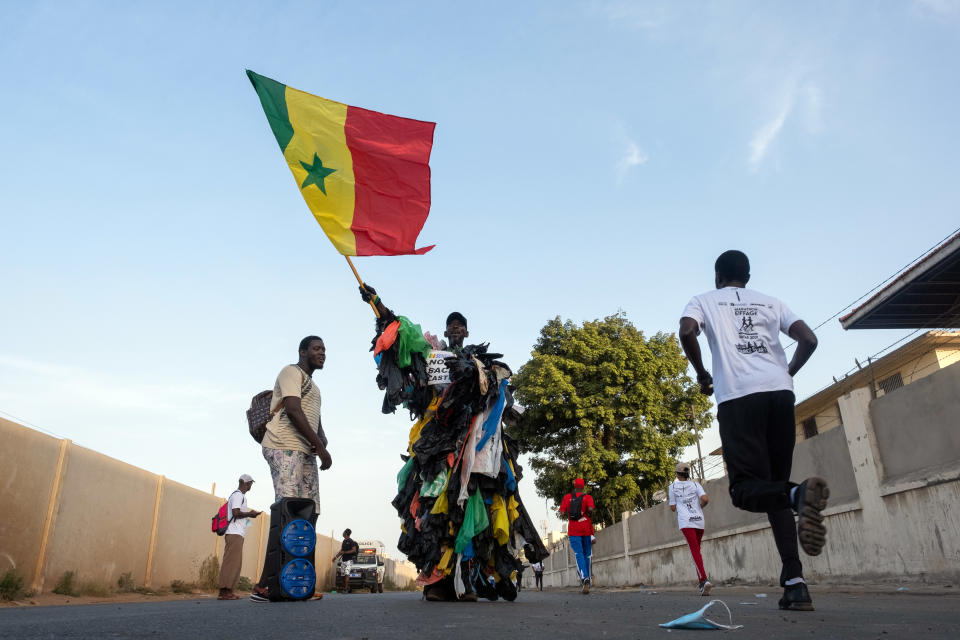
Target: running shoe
<point>705,587</point>
<point>585,586</point>
<point>796,597</point>
<point>809,502</point>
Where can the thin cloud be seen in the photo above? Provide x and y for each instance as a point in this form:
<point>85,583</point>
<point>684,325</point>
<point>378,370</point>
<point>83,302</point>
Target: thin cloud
<point>765,135</point>
<point>810,100</point>
<point>812,107</point>
<point>646,17</point>
<point>940,8</point>
<point>633,156</point>
<point>94,389</point>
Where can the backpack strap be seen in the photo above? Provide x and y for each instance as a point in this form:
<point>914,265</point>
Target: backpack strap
<point>305,384</point>
<point>229,510</point>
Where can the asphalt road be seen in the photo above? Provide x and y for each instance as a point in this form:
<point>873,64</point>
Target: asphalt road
<point>549,615</point>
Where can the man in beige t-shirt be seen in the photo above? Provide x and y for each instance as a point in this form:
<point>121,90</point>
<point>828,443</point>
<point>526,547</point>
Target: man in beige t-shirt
<point>294,436</point>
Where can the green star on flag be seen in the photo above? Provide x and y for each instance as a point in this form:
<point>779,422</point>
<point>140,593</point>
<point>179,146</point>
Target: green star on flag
<point>315,174</point>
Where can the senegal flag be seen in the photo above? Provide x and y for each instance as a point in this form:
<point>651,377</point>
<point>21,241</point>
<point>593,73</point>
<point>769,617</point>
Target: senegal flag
<point>365,175</point>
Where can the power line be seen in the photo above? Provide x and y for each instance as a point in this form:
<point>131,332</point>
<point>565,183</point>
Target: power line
<point>884,281</point>
<point>951,316</point>
<point>27,423</point>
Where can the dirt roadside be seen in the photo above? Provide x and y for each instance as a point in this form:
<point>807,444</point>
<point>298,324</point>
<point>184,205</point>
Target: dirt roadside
<point>53,599</point>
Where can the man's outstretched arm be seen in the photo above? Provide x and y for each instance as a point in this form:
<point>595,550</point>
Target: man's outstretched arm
<point>689,329</point>
<point>806,345</point>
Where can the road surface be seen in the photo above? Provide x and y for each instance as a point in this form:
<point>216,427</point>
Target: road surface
<point>548,615</point>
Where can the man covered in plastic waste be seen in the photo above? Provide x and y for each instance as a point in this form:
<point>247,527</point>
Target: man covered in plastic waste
<point>457,496</point>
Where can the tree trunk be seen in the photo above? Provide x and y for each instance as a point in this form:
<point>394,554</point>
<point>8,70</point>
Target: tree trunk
<point>607,437</point>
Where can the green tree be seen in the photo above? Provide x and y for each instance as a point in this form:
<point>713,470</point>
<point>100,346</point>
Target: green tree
<point>606,404</point>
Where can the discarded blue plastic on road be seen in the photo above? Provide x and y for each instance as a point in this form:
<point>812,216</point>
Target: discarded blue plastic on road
<point>699,620</point>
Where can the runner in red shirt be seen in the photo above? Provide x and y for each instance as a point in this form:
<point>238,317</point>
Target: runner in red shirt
<point>578,506</point>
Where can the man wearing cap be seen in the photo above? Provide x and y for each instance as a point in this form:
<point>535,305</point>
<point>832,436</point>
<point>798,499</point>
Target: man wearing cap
<point>233,539</point>
<point>578,506</point>
<point>687,499</point>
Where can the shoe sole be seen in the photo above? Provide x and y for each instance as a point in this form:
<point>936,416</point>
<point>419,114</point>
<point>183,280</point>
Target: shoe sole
<point>810,530</point>
<point>706,589</point>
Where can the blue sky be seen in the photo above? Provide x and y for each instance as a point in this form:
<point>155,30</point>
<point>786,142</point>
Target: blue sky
<point>159,266</point>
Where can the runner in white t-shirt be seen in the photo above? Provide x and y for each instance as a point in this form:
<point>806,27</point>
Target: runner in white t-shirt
<point>687,499</point>
<point>754,386</point>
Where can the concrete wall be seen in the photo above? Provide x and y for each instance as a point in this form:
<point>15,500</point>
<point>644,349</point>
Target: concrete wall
<point>67,508</point>
<point>947,357</point>
<point>914,361</point>
<point>183,539</point>
<point>29,462</point>
<point>104,504</point>
<point>402,574</point>
<point>882,524</point>
<point>916,426</point>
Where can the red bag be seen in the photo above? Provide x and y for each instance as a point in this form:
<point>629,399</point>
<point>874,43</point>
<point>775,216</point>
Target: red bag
<point>220,522</point>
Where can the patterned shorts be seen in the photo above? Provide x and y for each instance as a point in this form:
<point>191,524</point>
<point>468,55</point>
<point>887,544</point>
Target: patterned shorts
<point>294,474</point>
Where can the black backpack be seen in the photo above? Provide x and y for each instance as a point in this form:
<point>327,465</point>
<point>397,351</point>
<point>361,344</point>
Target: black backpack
<point>576,506</point>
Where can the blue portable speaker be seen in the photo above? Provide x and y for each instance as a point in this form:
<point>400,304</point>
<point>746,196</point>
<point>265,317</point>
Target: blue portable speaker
<point>288,567</point>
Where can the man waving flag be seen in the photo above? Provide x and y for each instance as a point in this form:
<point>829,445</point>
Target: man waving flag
<point>364,175</point>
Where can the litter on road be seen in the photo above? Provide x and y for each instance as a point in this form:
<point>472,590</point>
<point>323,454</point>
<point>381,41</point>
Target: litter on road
<point>698,620</point>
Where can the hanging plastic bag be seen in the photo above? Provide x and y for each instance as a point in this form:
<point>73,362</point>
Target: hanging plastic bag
<point>699,620</point>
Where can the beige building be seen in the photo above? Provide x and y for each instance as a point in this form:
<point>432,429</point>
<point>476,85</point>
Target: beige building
<point>917,359</point>
<point>925,297</point>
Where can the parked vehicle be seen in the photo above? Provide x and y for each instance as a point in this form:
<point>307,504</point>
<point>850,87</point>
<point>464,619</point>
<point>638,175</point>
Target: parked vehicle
<point>366,572</point>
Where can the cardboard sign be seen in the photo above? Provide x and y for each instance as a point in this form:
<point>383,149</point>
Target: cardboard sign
<point>437,372</point>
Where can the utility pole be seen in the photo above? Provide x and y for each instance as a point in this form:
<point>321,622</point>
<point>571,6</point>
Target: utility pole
<point>546,514</point>
<point>696,429</point>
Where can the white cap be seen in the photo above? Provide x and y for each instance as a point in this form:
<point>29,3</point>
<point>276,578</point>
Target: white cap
<point>246,478</point>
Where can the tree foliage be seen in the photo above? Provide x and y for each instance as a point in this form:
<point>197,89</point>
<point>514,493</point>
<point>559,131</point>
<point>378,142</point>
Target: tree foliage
<point>604,403</point>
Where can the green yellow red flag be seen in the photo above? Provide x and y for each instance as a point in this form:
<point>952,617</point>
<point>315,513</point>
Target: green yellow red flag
<point>364,175</point>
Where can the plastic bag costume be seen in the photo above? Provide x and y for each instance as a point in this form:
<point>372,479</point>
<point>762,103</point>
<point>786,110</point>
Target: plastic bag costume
<point>462,519</point>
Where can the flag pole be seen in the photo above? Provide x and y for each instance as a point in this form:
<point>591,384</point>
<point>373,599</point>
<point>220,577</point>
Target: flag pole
<point>357,276</point>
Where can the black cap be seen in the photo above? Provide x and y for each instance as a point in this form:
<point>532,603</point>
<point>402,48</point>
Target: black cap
<point>456,315</point>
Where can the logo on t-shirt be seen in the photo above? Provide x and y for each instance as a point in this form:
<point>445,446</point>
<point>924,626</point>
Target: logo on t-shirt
<point>750,341</point>
<point>693,513</point>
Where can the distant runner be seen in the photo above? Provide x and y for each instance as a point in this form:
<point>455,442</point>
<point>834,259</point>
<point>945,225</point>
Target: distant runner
<point>687,499</point>
<point>578,506</point>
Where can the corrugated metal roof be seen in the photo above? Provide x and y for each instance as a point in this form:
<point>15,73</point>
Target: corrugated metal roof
<point>924,296</point>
